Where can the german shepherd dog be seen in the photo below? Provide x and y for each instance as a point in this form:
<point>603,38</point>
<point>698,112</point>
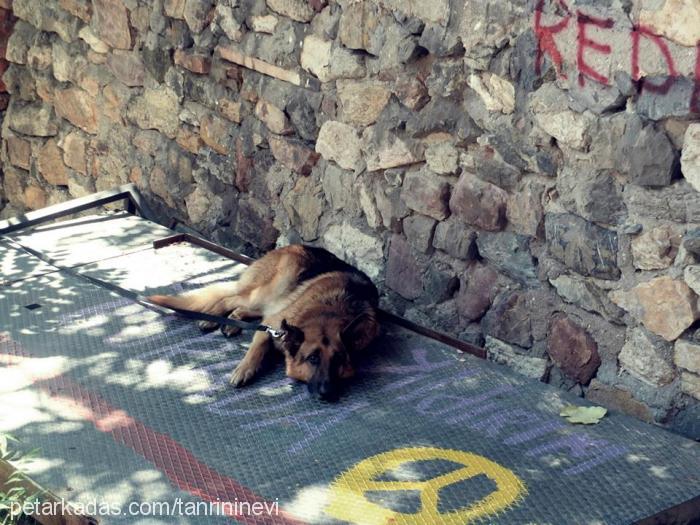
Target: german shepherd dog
<point>325,309</point>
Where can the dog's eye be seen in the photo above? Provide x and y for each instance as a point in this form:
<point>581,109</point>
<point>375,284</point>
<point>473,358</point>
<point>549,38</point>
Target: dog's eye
<point>313,359</point>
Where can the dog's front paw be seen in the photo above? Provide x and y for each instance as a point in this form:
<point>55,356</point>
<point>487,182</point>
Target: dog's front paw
<point>207,326</point>
<point>230,331</point>
<point>242,375</point>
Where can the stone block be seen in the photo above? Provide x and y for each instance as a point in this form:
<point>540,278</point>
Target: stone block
<point>456,239</point>
<point>666,306</point>
<point>476,295</point>
<point>75,152</point>
<point>293,154</point>
<point>656,249</point>
<point>619,399</point>
<point>573,349</point>
<point>78,108</point>
<point>403,275</point>
<point>50,164</point>
<point>419,231</point>
<point>215,132</point>
<point>298,10</point>
<point>645,357</point>
<point>340,143</point>
<point>356,247</point>
<point>690,158</point>
<point>198,63</point>
<point>686,355</point>
<point>19,152</point>
<point>584,247</point>
<point>197,14</point>
<point>503,353</point>
<point>510,254</point>
<point>35,119</point>
<point>361,103</point>
<point>427,193</point>
<point>35,197</point>
<point>156,109</point>
<point>111,23</point>
<point>273,117</point>
<point>509,320</point>
<point>479,203</point>
<point>127,67</point>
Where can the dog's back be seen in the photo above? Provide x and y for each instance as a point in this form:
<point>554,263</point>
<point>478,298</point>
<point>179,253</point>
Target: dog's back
<point>270,281</point>
<point>320,261</point>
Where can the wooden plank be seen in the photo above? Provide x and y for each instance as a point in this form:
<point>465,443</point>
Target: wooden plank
<point>249,62</point>
<point>66,515</point>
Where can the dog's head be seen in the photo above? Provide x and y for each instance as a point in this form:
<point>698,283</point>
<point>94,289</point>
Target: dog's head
<point>320,352</point>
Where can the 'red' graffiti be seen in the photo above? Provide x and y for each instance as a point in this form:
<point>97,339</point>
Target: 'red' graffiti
<point>585,44</point>
<point>545,38</point>
<point>637,33</point>
<point>584,70</point>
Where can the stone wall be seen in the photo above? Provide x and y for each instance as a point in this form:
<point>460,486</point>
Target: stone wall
<point>6,24</point>
<point>522,174</point>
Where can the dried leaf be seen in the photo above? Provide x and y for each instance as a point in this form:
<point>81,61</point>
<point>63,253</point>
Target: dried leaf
<point>583,415</point>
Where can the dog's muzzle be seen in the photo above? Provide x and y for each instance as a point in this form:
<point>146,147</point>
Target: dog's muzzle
<point>324,390</point>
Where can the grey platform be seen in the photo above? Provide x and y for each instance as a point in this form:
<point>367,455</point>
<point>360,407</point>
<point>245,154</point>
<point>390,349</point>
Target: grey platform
<point>129,406</point>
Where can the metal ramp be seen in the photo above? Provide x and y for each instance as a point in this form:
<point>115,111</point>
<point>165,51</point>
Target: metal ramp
<point>131,409</point>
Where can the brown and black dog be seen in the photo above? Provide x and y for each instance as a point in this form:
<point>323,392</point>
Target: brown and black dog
<point>325,308</point>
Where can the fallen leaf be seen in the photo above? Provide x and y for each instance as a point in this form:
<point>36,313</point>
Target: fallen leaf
<point>583,415</point>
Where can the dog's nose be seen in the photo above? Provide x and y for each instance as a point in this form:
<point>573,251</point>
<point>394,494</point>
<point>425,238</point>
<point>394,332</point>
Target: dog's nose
<point>326,391</point>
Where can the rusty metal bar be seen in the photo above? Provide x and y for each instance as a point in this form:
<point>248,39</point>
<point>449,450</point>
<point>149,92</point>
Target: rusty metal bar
<point>208,245</point>
<point>460,345</point>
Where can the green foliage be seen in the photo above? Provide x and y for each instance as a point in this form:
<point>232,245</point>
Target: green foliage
<point>14,495</point>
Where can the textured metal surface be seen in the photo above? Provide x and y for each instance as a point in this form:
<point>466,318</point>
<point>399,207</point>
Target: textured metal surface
<point>16,264</point>
<point>127,405</point>
<point>91,238</point>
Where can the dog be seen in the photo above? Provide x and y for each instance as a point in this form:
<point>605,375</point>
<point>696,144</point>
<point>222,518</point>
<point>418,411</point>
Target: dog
<point>325,309</point>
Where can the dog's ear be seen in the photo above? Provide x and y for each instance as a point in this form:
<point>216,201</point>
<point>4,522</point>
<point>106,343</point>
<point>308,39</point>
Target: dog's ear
<point>292,338</point>
<point>359,332</point>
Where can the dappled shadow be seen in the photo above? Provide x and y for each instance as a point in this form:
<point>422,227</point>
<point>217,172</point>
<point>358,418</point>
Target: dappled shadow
<point>16,264</point>
<point>65,313</point>
<point>89,239</point>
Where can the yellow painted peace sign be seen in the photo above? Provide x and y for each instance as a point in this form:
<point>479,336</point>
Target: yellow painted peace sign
<point>348,501</point>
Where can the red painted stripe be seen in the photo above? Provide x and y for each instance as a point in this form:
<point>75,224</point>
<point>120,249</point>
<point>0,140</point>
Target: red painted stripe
<point>181,467</point>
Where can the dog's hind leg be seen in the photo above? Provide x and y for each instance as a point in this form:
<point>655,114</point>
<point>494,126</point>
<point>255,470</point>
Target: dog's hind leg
<point>240,307</point>
<point>222,308</point>
<point>212,300</point>
<point>253,360</point>
<point>252,300</point>
<point>234,306</point>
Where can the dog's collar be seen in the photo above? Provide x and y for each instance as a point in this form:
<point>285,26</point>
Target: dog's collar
<point>277,334</point>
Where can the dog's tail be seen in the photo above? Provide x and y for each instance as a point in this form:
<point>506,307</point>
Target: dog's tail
<point>210,300</point>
